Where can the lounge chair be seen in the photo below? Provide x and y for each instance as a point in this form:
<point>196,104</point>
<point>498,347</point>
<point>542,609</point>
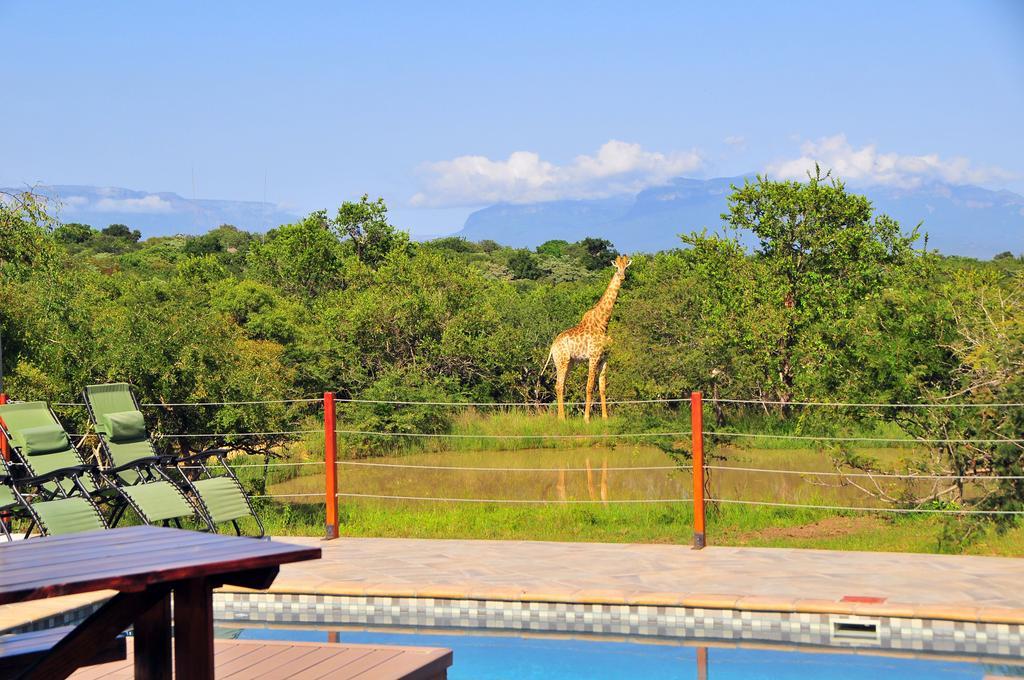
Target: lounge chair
<point>122,431</point>
<point>54,502</point>
<point>8,503</point>
<point>45,451</point>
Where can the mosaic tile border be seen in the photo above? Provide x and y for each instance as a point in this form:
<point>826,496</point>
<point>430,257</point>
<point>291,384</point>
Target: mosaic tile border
<point>68,617</point>
<point>798,628</point>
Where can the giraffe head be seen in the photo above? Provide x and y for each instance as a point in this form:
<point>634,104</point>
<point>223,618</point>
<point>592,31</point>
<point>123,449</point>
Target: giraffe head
<point>621,262</point>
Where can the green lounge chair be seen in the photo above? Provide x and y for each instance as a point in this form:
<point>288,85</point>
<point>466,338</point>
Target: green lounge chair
<point>8,504</point>
<point>124,437</point>
<point>55,502</point>
<point>43,449</point>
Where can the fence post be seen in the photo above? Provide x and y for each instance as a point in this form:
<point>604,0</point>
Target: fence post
<point>3,439</point>
<point>697,433</point>
<point>4,453</point>
<point>330,467</point>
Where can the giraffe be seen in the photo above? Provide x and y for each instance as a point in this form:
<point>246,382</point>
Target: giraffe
<point>588,341</point>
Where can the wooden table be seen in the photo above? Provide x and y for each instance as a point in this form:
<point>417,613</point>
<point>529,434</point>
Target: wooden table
<point>145,565</point>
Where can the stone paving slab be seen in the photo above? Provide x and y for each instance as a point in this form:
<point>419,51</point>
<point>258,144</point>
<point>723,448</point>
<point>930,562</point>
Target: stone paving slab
<point>948,587</point>
<point>21,613</point>
<point>945,587</point>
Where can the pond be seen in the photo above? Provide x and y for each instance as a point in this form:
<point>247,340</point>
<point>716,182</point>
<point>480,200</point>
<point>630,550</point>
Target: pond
<point>623,472</point>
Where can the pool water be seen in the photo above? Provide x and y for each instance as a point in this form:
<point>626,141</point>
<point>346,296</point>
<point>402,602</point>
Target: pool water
<point>487,656</point>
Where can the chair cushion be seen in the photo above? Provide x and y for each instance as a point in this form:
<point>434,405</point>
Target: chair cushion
<point>41,439</point>
<point>123,426</point>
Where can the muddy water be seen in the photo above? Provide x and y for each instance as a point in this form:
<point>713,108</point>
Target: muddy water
<point>562,474</point>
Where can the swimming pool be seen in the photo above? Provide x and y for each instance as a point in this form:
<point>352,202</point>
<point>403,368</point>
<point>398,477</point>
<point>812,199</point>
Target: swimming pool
<point>488,656</point>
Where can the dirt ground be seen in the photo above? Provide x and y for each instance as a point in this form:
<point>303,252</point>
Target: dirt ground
<point>830,527</point>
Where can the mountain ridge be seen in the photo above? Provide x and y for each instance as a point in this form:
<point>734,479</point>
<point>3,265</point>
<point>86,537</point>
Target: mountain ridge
<point>155,213</point>
<point>959,219</point>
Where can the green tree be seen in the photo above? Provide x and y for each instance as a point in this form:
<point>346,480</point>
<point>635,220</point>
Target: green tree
<point>24,225</point>
<point>523,265</point>
<point>74,233</point>
<point>823,252</point>
<point>121,231</point>
<point>365,226</point>
<point>594,253</point>
<point>305,258</point>
<point>555,248</point>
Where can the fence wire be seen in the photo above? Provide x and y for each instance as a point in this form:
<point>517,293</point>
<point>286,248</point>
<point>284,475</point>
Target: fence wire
<point>941,511</point>
<point>540,404</point>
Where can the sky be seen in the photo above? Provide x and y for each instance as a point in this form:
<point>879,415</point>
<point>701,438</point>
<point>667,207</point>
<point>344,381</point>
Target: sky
<point>442,108</point>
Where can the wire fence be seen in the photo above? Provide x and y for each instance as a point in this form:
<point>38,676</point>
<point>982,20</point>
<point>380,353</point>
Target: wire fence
<point>874,476</point>
<point>639,468</point>
<point>543,404</point>
<point>596,435</point>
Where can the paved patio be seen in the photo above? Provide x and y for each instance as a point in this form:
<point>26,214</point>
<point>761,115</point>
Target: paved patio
<point>766,579</point>
<point>962,588</point>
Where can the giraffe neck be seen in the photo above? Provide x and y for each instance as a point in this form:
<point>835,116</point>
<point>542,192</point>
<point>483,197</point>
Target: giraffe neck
<point>602,311</point>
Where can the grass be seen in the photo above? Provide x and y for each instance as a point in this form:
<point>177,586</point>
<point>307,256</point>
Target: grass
<point>660,523</point>
<point>482,446</point>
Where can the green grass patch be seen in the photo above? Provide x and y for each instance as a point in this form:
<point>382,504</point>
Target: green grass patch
<point>653,523</point>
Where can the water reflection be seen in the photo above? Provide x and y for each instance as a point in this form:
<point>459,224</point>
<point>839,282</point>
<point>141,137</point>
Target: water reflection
<point>610,473</point>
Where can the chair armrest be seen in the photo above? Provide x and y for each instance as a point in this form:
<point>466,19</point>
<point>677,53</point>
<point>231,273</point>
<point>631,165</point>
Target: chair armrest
<point>203,455</point>
<point>73,471</point>
<point>138,462</point>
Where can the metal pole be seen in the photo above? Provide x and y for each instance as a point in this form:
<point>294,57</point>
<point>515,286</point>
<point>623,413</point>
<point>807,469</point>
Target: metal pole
<point>3,400</point>
<point>330,467</point>
<point>697,432</point>
<point>3,440</point>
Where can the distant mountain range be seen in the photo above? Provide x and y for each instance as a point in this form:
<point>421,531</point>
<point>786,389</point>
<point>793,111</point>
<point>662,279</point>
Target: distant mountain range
<point>959,220</point>
<point>156,214</point>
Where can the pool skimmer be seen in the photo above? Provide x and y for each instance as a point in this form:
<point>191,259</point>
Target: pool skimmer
<point>855,630</point>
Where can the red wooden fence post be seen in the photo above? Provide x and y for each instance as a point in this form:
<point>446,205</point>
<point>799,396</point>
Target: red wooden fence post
<point>330,466</point>
<point>4,517</point>
<point>3,439</point>
<point>697,432</point>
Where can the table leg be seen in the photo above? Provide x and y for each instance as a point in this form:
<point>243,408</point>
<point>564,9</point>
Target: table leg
<point>102,626</point>
<point>153,642</point>
<point>193,629</point>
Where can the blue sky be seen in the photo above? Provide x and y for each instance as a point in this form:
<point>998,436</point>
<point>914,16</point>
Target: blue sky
<point>440,107</point>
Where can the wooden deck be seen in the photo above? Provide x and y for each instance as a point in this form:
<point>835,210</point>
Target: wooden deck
<point>262,660</point>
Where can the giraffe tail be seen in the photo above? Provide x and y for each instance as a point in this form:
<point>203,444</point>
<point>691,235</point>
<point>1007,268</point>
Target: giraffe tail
<point>546,362</point>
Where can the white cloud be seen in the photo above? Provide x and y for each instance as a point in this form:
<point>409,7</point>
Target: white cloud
<point>866,165</point>
<point>737,142</point>
<point>147,204</point>
<point>617,168</point>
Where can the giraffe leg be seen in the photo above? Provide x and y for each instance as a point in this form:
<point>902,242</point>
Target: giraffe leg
<point>561,367</point>
<point>601,384</point>
<point>591,377</point>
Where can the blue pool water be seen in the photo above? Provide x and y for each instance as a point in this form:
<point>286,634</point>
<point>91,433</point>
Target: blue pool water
<point>488,657</point>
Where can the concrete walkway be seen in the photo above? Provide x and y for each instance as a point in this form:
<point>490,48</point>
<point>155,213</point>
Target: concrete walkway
<point>963,588</point>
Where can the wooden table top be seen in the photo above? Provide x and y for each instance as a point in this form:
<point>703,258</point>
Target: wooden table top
<point>130,559</point>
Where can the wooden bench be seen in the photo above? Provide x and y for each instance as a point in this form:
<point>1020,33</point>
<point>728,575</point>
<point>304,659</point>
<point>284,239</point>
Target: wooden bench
<point>19,650</point>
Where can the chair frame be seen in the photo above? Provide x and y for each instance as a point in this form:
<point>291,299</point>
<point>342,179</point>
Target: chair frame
<point>108,489</point>
<point>72,474</point>
<point>196,460</point>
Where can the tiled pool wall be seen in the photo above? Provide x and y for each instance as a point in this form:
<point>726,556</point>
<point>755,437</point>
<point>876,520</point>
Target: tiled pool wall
<point>68,617</point>
<point>892,633</point>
